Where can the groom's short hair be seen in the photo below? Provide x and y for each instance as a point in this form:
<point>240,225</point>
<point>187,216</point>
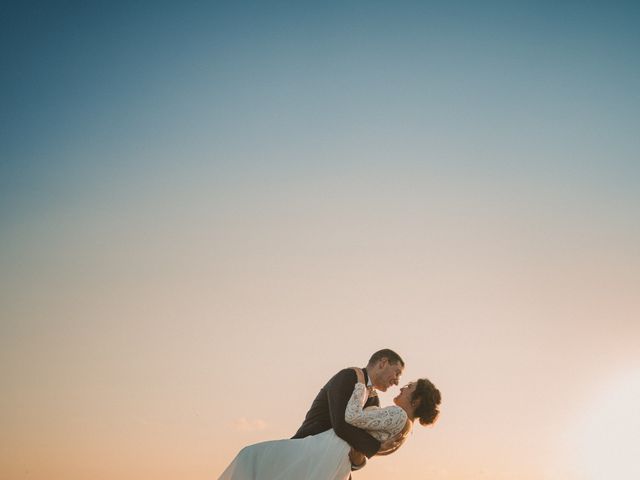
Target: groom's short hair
<point>390,355</point>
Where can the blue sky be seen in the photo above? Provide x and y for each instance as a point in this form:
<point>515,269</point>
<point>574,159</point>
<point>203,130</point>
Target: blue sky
<point>529,86</point>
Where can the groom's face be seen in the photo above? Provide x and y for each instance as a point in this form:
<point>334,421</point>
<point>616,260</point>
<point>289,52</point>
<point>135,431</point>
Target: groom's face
<point>386,374</point>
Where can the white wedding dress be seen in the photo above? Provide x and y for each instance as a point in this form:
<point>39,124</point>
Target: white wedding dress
<point>318,457</point>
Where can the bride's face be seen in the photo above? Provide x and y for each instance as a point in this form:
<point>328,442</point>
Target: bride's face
<point>404,397</point>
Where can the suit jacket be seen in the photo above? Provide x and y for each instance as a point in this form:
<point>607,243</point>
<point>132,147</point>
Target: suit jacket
<point>327,411</point>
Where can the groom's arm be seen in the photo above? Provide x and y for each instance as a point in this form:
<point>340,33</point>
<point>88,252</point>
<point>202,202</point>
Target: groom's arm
<point>339,390</point>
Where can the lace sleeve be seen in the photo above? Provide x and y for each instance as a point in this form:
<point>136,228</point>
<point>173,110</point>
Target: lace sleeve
<point>390,420</point>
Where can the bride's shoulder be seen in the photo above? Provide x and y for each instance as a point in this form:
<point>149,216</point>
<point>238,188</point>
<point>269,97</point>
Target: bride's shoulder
<point>396,411</point>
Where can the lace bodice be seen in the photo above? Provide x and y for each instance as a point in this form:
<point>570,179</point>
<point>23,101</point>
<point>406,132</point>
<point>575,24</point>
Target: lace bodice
<point>380,423</point>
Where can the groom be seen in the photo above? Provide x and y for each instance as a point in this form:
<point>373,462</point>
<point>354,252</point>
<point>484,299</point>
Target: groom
<point>328,408</point>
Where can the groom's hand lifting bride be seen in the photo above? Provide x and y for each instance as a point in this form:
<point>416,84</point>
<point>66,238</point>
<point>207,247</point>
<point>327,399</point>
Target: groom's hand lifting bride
<point>391,445</point>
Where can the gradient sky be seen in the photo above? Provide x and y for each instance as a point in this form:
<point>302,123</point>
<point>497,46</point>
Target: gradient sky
<point>208,208</point>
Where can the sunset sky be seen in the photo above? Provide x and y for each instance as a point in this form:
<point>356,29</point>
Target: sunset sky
<point>209,208</point>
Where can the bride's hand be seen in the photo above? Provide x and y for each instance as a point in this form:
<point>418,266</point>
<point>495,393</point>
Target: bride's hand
<point>359,375</point>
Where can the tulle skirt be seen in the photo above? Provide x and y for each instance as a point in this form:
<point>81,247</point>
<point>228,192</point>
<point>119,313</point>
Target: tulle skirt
<point>318,457</point>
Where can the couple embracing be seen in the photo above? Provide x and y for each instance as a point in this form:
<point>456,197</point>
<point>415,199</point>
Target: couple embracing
<point>344,426</point>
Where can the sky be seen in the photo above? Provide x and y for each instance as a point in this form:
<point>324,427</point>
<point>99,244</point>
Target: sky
<point>209,208</point>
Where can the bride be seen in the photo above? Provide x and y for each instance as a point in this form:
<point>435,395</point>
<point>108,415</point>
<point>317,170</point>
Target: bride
<point>326,456</point>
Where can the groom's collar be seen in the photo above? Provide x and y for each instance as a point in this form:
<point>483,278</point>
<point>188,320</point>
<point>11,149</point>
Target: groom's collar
<point>366,376</point>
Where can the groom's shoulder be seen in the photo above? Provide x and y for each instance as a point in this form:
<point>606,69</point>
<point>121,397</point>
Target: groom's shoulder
<point>346,374</point>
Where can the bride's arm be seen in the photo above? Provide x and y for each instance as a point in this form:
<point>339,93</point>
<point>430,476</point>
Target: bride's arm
<point>338,391</point>
<point>390,420</point>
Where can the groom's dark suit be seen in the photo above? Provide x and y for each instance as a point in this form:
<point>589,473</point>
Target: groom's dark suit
<point>327,411</point>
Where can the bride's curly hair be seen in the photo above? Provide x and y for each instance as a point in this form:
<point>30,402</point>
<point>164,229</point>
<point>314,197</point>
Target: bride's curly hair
<point>429,397</point>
